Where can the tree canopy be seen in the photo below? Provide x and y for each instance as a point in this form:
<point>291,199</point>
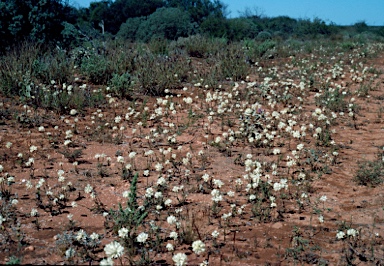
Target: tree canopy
<point>57,22</point>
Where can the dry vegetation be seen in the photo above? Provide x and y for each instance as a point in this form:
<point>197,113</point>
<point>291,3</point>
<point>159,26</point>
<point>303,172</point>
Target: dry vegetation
<point>279,164</point>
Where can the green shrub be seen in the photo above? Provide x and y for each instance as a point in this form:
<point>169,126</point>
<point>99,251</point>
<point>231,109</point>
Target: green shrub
<point>256,50</point>
<point>370,173</point>
<point>97,68</point>
<point>166,72</point>
<point>201,46</point>
<point>264,35</point>
<point>234,64</point>
<point>333,99</point>
<point>242,28</point>
<point>121,85</point>
<point>214,26</point>
<point>129,29</point>
<point>166,23</point>
<point>32,64</point>
<point>53,65</point>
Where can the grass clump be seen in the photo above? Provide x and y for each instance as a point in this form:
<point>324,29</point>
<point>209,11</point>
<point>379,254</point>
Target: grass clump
<point>370,173</point>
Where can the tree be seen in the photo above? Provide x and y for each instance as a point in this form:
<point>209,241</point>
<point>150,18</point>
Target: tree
<point>34,20</point>
<point>199,10</point>
<point>121,10</point>
<point>166,23</point>
<point>129,29</point>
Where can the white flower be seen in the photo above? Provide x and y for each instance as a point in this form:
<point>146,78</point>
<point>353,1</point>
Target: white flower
<point>123,232</point>
<point>180,259</point>
<point>88,188</point>
<point>73,112</point>
<point>132,155</point>
<point>198,247</point>
<point>149,192</point>
<point>173,235</point>
<point>231,194</point>
<point>171,219</point>
<point>94,236</point>
<point>169,247</point>
<point>276,186</point>
<point>352,232</point>
<point>323,198</point>
<point>321,219</point>
<point>69,253</point>
<point>81,235</point>
<point>120,159</point>
<point>117,119</point>
<point>8,145</point>
<point>61,178</point>
<point>215,234</point>
<point>168,202</point>
<point>216,195</point>
<point>177,188</point>
<point>158,167</point>
<point>142,237</point>
<point>32,148</point>
<point>34,212</point>
<point>205,177</point>
<point>114,250</point>
<point>218,183</point>
<point>340,235</point>
<point>106,262</point>
<point>300,146</point>
<point>161,181</point>
<point>2,219</point>
<point>60,172</point>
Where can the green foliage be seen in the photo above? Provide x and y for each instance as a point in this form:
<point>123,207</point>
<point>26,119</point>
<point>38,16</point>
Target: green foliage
<point>121,85</point>
<point>13,260</point>
<point>131,216</point>
<point>121,10</point>
<point>306,27</point>
<point>215,26</point>
<point>264,35</point>
<point>97,68</point>
<point>53,65</point>
<point>242,28</point>
<point>34,20</point>
<point>81,34</point>
<point>128,30</point>
<point>201,46</point>
<point>371,173</point>
<point>167,72</point>
<point>234,64</point>
<point>166,23</point>
<point>256,50</point>
<point>199,10</point>
<point>333,99</point>
<point>31,64</point>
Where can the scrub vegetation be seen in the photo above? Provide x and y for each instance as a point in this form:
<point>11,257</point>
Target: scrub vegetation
<point>165,133</point>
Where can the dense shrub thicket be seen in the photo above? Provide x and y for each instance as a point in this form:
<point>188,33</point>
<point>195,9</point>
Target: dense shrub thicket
<point>56,22</point>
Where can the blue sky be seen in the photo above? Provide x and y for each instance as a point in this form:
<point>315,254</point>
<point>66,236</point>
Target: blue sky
<point>341,12</point>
